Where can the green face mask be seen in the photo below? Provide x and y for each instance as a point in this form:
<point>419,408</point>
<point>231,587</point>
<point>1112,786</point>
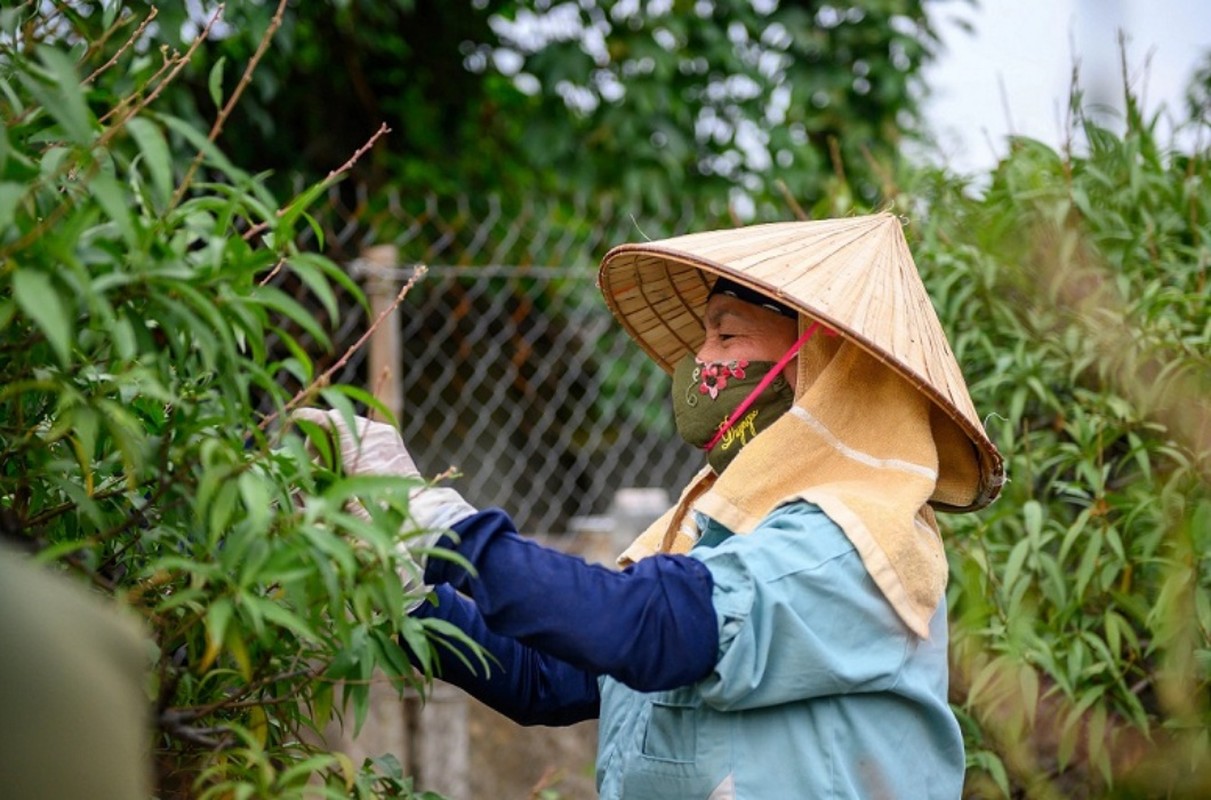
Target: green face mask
<point>706,394</point>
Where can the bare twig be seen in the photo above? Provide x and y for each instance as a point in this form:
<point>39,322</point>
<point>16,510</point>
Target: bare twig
<point>95,45</point>
<point>383,130</point>
<point>791,202</point>
<point>834,155</point>
<point>273,272</point>
<point>236,699</point>
<point>50,220</point>
<point>47,514</point>
<point>178,63</point>
<point>134,37</point>
<point>170,62</point>
<point>327,374</point>
<point>180,729</point>
<point>329,179</point>
<point>550,776</point>
<point>225,111</point>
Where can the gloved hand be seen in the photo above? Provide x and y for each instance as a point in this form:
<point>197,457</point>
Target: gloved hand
<point>378,449</point>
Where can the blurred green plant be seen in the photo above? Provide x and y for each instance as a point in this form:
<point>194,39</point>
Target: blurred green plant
<point>136,316</point>
<point>1075,290</point>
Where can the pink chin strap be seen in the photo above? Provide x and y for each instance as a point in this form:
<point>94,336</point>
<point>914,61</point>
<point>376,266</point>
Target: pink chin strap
<point>770,377</point>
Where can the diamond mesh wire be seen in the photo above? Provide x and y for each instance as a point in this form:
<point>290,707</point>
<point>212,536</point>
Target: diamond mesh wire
<point>513,370</point>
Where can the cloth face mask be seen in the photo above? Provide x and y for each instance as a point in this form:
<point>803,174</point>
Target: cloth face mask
<point>705,394</point>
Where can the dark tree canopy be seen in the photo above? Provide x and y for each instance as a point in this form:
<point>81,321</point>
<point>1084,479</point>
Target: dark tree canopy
<point>655,101</point>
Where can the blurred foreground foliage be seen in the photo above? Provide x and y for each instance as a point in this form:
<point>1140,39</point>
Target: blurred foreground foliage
<point>1075,288</point>
<point>135,316</point>
<point>136,312</point>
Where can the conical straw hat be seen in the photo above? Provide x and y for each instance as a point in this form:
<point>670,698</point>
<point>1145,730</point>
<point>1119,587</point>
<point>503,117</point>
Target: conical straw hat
<point>855,275</point>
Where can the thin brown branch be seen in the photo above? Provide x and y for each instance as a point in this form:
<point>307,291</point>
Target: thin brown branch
<point>550,776</point>
<point>178,64</point>
<point>102,141</point>
<point>383,130</point>
<point>834,154</point>
<point>229,106</point>
<point>380,383</point>
<point>273,272</point>
<point>790,200</point>
<point>201,736</point>
<point>96,45</point>
<point>47,514</point>
<point>236,698</point>
<point>323,378</point>
<point>330,178</point>
<point>134,37</point>
<point>170,61</point>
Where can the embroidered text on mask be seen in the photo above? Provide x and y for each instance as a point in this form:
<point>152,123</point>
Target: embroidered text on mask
<point>706,393</point>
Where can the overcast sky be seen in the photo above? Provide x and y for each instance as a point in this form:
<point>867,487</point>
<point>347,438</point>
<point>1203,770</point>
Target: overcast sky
<point>1012,75</point>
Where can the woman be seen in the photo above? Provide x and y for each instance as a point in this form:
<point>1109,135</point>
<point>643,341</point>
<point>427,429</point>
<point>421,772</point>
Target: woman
<point>782,631</point>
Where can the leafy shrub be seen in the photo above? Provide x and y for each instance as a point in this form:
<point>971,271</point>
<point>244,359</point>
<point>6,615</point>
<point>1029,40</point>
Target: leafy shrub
<point>1075,290</point>
<point>140,337</point>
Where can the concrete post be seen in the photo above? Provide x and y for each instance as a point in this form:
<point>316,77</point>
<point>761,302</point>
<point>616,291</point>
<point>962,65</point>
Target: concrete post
<point>384,356</point>
<point>432,739</point>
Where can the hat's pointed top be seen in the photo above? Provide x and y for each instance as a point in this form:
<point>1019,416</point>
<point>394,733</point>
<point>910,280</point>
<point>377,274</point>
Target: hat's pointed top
<point>855,275</point>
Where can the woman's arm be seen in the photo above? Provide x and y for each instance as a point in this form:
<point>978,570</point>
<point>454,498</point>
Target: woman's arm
<point>651,626</point>
<point>526,685</point>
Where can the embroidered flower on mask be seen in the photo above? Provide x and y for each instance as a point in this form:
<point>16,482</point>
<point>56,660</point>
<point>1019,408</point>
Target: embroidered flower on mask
<point>715,375</point>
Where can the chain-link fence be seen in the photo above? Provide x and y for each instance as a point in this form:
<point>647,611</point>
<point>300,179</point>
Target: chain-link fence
<point>512,368</point>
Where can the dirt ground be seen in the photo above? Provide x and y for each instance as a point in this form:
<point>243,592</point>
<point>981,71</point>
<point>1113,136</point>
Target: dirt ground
<point>511,762</point>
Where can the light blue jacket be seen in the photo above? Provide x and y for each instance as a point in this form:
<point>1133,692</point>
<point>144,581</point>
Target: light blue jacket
<point>820,691</point>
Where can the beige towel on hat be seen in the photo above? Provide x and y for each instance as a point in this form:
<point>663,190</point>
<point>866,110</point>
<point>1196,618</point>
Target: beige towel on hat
<point>858,443</point>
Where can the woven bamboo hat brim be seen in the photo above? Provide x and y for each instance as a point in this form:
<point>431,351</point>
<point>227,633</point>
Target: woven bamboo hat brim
<point>855,275</point>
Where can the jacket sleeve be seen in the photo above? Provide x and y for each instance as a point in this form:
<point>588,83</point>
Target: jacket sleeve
<point>526,685</point>
<point>799,616</point>
<point>650,626</point>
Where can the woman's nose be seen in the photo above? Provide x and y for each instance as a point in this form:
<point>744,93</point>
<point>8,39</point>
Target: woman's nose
<point>709,351</point>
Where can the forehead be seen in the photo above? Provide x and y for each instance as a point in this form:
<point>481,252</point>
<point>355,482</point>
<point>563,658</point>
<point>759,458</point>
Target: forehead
<point>725,308</point>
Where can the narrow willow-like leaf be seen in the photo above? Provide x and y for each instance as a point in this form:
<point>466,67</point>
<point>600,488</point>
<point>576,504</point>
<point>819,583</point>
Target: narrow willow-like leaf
<point>156,156</point>
<point>215,81</point>
<point>42,303</point>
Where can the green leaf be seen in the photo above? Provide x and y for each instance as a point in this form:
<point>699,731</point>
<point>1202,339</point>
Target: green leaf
<point>156,156</point>
<point>282,617</point>
<point>299,773</point>
<point>321,704</point>
<point>215,82</point>
<point>6,147</point>
<point>63,99</point>
<point>372,403</point>
<point>258,505</point>
<point>113,198</point>
<point>332,546</point>
<point>36,296</point>
<point>1084,572</point>
<point>1013,566</point>
<point>222,508</point>
<point>390,656</point>
<point>277,300</point>
<point>212,154</point>
<point>1032,514</point>
<point>303,265</point>
<point>443,633</point>
<point>299,204</point>
<point>10,198</point>
<point>217,617</point>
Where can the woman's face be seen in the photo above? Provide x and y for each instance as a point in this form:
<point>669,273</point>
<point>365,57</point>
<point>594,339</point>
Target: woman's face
<point>738,330</point>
